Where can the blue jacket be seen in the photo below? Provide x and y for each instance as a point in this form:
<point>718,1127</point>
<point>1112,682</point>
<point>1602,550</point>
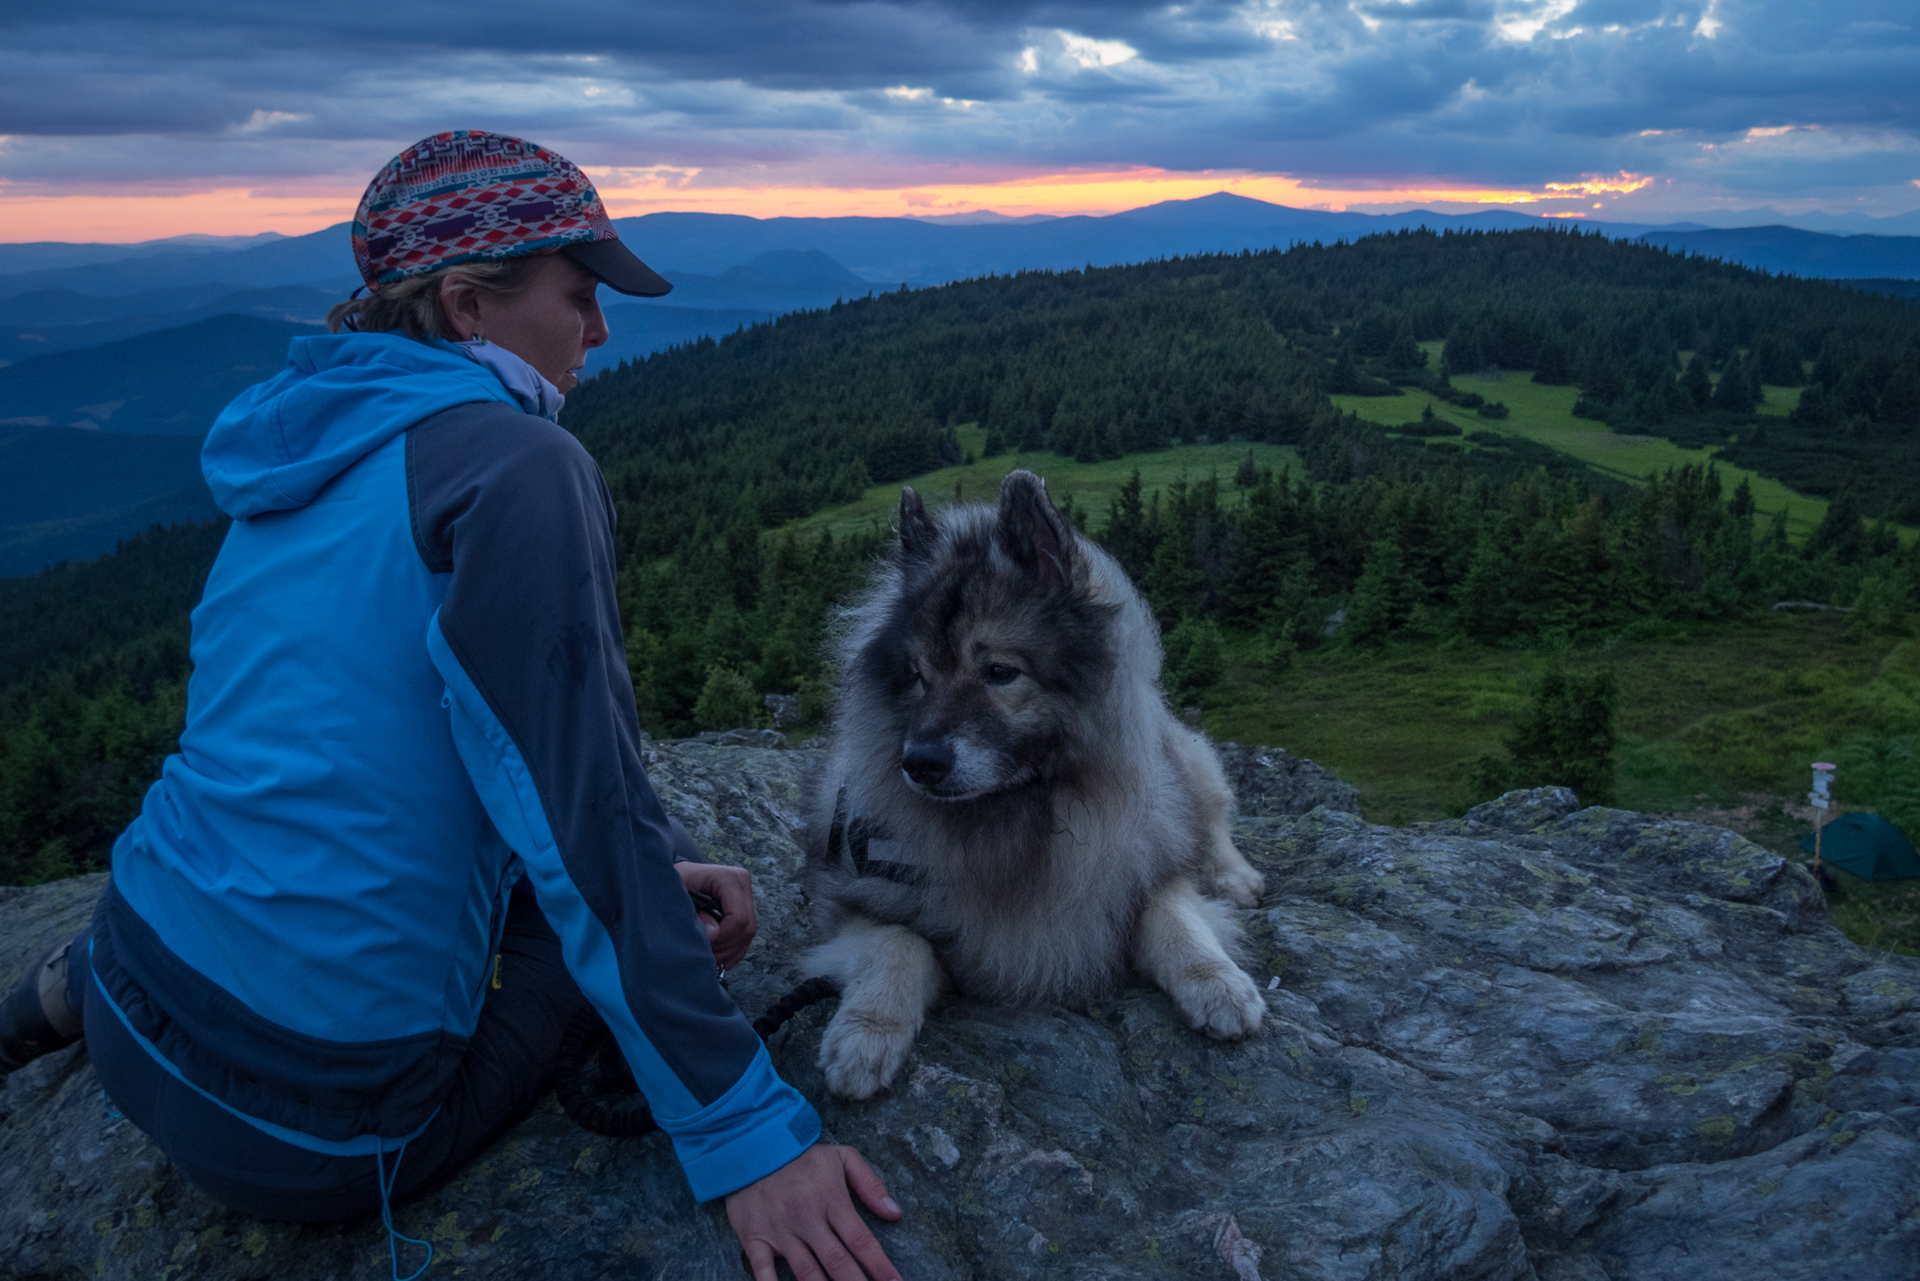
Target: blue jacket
<point>409,688</point>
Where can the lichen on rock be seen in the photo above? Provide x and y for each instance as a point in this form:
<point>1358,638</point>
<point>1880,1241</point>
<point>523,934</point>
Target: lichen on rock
<point>1536,1041</point>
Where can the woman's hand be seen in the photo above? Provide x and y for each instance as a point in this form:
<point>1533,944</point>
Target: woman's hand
<point>733,933</point>
<point>802,1213</point>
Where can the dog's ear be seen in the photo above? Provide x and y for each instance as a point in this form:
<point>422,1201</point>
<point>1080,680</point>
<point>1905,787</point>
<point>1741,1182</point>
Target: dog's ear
<point>1032,531</point>
<point>917,533</point>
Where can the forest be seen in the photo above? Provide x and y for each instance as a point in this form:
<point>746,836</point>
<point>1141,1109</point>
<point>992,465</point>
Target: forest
<point>718,452</point>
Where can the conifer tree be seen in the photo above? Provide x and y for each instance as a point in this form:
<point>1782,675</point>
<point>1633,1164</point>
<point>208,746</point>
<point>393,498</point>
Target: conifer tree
<point>1246,475</point>
<point>1553,366</point>
<point>1564,738</point>
<point>1734,393</point>
<point>1382,597</point>
<point>1694,385</point>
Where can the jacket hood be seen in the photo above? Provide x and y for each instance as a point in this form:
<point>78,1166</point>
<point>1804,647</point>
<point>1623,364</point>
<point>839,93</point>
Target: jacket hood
<point>341,397</point>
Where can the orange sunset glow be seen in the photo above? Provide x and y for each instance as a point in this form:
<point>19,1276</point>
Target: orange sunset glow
<point>244,211</point>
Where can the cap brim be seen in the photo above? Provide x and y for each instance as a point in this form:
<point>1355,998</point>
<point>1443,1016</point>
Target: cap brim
<point>618,269</point>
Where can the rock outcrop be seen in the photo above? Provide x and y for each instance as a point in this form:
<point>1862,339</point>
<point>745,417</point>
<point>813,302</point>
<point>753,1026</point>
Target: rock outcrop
<point>1534,1042</point>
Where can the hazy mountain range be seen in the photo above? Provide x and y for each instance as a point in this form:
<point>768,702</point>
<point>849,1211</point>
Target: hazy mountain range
<point>120,341</point>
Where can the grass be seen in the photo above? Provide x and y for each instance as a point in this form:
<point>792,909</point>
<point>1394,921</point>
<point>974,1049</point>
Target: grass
<point>1717,724</point>
<point>1879,914</point>
<point>1708,712</point>
<point>1545,415</point>
<point>1091,486</point>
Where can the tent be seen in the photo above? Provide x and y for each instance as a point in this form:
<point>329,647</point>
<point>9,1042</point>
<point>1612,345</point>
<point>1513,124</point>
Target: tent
<point>1866,845</point>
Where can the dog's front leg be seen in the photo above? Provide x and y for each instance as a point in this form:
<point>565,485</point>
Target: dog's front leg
<point>888,979</point>
<point>1182,946</point>
<point>1232,875</point>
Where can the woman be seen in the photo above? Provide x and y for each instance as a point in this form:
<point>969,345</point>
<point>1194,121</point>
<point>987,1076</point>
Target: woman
<point>407,835</point>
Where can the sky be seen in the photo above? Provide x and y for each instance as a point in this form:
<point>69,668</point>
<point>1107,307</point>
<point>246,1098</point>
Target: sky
<point>131,121</point>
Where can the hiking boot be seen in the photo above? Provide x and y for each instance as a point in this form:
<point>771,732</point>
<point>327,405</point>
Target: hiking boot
<point>27,1029</point>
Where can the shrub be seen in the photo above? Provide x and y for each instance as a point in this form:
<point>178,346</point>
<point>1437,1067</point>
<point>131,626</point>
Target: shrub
<point>1564,738</point>
<point>727,701</point>
<point>1493,409</point>
<point>1195,661</point>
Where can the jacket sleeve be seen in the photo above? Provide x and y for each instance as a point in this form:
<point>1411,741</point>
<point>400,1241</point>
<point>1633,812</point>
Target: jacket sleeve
<point>528,641</point>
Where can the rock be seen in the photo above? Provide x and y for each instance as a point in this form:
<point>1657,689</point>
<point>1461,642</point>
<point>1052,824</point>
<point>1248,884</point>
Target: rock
<point>1536,1041</point>
<point>1270,783</point>
<point>786,711</point>
<point>767,738</point>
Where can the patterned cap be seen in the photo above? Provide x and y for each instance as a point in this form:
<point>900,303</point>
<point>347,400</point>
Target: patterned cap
<point>467,195</point>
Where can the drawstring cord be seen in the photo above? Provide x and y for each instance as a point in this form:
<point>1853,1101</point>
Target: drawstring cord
<point>394,1235</point>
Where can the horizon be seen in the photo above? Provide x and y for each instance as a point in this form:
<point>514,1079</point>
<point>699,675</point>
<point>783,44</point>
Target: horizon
<point>975,216</point>
<point>122,125</point>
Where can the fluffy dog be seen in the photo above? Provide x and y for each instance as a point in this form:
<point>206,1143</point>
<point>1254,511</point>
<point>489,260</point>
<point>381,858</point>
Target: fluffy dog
<point>1009,809</point>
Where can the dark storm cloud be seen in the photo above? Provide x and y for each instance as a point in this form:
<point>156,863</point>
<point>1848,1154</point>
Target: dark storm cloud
<point>1502,91</point>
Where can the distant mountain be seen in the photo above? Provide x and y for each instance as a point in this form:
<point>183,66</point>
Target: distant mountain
<point>1803,253</point>
<point>41,255</point>
<point>1845,224</point>
<point>172,381</point>
<point>48,307</point>
<point>642,328</point>
<point>981,218</point>
<point>295,303</point>
<point>323,259</point>
<point>68,494</point>
<point>779,280</point>
<point>922,251</point>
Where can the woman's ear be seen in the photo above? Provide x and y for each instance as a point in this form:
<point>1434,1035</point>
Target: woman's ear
<point>459,307</point>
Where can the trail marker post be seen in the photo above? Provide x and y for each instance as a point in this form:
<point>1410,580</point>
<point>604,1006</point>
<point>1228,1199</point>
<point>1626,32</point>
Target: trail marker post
<point>1822,798</point>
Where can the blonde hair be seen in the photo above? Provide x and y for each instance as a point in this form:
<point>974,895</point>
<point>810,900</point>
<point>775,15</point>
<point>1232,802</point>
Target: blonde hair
<point>412,306</point>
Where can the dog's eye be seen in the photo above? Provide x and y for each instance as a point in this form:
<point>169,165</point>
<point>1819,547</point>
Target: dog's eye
<point>1001,674</point>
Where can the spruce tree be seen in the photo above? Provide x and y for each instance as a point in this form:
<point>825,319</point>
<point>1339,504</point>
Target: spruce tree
<point>1734,393</point>
<point>1246,475</point>
<point>1382,597</point>
<point>1566,735</point>
<point>1694,385</point>
<point>1553,366</point>
<point>1481,609</point>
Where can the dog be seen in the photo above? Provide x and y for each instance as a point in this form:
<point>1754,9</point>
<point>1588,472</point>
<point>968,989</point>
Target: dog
<point>1009,810</point>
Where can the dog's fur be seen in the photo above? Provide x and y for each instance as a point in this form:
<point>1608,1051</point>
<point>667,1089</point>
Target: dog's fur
<point>1041,820</point>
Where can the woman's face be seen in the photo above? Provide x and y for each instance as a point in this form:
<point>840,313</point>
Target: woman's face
<point>552,324</point>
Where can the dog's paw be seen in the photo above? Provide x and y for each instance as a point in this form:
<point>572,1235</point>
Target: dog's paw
<point>1243,886</point>
<point>861,1052</point>
<point>1220,1000</point>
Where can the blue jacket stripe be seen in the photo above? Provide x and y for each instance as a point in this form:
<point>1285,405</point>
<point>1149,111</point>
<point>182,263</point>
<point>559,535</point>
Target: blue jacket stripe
<point>719,1156</point>
<point>506,788</point>
<point>363,1145</point>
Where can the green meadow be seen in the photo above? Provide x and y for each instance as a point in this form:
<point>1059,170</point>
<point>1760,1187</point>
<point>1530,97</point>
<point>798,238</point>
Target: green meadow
<point>1545,415</point>
<point>1089,486</point>
<point>1717,724</point>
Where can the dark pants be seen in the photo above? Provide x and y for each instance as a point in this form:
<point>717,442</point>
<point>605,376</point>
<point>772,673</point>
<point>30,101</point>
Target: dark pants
<point>509,1064</point>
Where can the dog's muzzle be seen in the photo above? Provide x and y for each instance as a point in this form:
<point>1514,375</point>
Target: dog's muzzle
<point>927,761</point>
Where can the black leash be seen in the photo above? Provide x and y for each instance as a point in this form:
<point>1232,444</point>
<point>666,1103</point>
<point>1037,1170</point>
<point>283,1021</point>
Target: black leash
<point>598,1090</point>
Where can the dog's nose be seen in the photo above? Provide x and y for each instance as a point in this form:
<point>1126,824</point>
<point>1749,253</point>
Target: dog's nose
<point>927,760</point>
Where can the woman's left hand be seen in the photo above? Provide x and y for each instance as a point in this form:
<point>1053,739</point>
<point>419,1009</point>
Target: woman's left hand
<point>733,933</point>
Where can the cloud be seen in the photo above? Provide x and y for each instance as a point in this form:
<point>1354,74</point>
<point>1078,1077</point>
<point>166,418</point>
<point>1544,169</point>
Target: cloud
<point>1702,100</point>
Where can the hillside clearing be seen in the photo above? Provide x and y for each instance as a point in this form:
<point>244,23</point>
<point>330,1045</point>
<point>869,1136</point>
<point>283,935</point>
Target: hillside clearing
<point>1090,486</point>
<point>1545,415</point>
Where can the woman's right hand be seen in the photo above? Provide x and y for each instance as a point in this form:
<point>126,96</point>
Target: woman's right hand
<point>802,1213</point>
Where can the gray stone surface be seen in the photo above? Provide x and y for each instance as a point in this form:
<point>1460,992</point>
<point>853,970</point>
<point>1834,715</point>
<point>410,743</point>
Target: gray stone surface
<point>1534,1042</point>
<point>1270,783</point>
